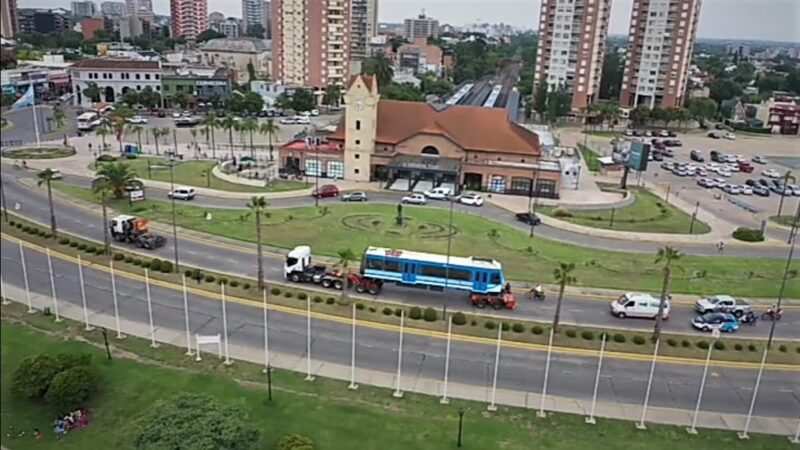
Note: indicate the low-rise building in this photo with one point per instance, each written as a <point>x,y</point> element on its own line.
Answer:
<point>196,85</point>
<point>91,25</point>
<point>236,54</point>
<point>269,91</point>
<point>114,77</point>
<point>420,57</point>
<point>784,115</point>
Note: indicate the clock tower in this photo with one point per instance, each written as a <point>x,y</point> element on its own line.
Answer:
<point>361,125</point>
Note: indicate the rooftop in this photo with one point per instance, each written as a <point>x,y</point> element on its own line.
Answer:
<point>240,45</point>
<point>117,64</point>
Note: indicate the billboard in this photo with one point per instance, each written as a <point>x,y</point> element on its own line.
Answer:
<point>637,156</point>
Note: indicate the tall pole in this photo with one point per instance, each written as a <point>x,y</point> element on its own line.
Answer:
<point>172,197</point>
<point>35,119</point>
<point>25,278</point>
<point>492,406</point>
<point>3,194</point>
<point>783,192</point>
<point>114,298</point>
<point>4,300</point>
<point>590,419</point>
<point>228,361</point>
<point>397,392</point>
<point>694,217</point>
<point>153,342</point>
<point>266,330</point>
<point>693,429</point>
<point>533,192</point>
<point>353,385</point>
<point>53,285</point>
<point>186,317</point>
<point>449,244</point>
<point>792,242</point>
<point>641,424</point>
<point>83,295</point>
<point>309,377</point>
<point>541,412</point>
<point>743,434</point>
<point>444,399</point>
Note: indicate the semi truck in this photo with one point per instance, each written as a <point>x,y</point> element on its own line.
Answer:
<point>298,268</point>
<point>134,230</point>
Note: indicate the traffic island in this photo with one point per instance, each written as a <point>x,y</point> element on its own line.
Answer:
<point>48,152</point>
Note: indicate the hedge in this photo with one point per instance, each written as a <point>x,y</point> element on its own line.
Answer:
<point>518,328</point>
<point>748,235</point>
<point>429,315</point>
<point>459,319</point>
<point>639,340</point>
<point>415,313</point>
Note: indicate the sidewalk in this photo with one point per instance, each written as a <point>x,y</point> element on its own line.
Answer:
<point>428,386</point>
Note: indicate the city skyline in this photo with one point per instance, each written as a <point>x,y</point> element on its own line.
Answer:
<point>719,19</point>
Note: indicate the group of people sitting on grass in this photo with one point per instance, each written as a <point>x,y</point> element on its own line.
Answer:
<point>75,420</point>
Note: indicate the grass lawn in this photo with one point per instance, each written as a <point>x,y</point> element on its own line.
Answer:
<point>786,220</point>
<point>193,173</point>
<point>647,214</point>
<point>356,227</point>
<point>39,153</point>
<point>325,410</point>
<point>590,157</point>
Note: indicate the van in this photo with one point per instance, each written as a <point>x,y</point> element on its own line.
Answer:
<point>638,305</point>
<point>182,193</point>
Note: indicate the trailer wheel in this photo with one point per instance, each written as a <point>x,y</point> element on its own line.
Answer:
<point>359,288</point>
<point>326,283</point>
<point>295,278</point>
<point>374,290</point>
<point>480,303</point>
<point>338,285</point>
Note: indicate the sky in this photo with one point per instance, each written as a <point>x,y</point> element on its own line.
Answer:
<point>777,20</point>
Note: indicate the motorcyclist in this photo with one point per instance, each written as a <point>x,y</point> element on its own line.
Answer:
<point>749,318</point>
<point>774,312</point>
<point>537,292</point>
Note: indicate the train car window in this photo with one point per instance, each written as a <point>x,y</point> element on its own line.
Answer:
<point>390,265</point>
<point>460,274</point>
<point>375,264</point>
<point>495,278</point>
<point>433,271</point>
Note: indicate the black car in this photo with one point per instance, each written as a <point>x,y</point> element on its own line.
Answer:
<point>751,182</point>
<point>764,183</point>
<point>528,218</point>
<point>715,156</point>
<point>760,190</point>
<point>696,156</point>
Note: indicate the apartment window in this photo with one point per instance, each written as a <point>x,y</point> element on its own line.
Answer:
<point>138,76</point>
<point>158,76</point>
<point>147,76</point>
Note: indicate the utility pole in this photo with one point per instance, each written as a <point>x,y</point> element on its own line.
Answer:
<point>172,199</point>
<point>793,235</point>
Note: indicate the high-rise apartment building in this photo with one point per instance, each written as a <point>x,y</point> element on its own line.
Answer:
<point>140,8</point>
<point>660,45</point>
<point>188,18</point>
<point>83,9</point>
<point>572,39</point>
<point>113,9</point>
<point>8,18</point>
<point>311,42</point>
<point>267,19</point>
<point>420,27</point>
<point>252,14</point>
<point>364,26</point>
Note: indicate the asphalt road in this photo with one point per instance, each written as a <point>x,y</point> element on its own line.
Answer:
<point>727,390</point>
<point>229,259</point>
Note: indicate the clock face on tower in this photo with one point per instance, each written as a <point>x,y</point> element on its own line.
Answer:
<point>360,105</point>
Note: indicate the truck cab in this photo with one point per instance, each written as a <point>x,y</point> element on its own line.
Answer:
<point>297,262</point>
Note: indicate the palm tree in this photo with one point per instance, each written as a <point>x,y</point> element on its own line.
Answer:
<point>119,123</point>
<point>193,132</point>
<point>345,256</point>
<point>250,126</point>
<point>46,177</point>
<point>229,123</point>
<point>563,275</point>
<point>101,186</point>
<point>138,130</point>
<point>269,129</point>
<point>119,176</point>
<point>258,204</point>
<point>103,131</point>
<point>59,118</point>
<point>210,122</point>
<point>381,67</point>
<point>666,255</point>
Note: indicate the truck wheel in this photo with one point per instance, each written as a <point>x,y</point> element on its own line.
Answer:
<point>359,289</point>
<point>621,315</point>
<point>326,283</point>
<point>295,278</point>
<point>480,304</point>
<point>497,304</point>
<point>338,285</point>
<point>374,290</point>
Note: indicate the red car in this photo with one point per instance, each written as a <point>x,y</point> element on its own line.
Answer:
<point>745,167</point>
<point>328,190</point>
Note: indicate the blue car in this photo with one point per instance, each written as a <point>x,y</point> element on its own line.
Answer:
<point>726,323</point>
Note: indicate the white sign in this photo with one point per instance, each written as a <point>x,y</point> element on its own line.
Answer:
<point>715,333</point>
<point>211,339</point>
<point>137,195</point>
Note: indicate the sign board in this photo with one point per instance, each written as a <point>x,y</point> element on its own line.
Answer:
<point>136,195</point>
<point>212,339</point>
<point>637,159</point>
<point>715,333</point>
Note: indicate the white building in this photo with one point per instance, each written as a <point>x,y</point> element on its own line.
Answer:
<point>236,54</point>
<point>268,91</point>
<point>113,77</point>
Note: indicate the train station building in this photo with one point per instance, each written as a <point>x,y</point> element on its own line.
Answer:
<point>414,146</point>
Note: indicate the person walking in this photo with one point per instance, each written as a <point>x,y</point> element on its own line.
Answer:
<point>721,247</point>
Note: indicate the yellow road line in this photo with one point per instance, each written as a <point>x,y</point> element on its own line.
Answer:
<point>415,331</point>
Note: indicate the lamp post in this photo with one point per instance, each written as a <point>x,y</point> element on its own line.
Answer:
<point>460,426</point>
<point>172,200</point>
<point>792,241</point>
<point>3,194</point>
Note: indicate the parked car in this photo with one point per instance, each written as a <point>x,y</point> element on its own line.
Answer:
<point>732,189</point>
<point>56,174</point>
<point>715,156</point>
<point>182,193</point>
<point>750,182</point>
<point>414,199</point>
<point>715,135</point>
<point>439,193</point>
<point>706,183</point>
<point>729,136</point>
<point>638,305</point>
<point>759,160</point>
<point>657,156</point>
<point>357,196</point>
<point>529,218</point>
<point>746,167</point>
<point>771,173</point>
<point>722,303</point>
<point>287,121</point>
<point>746,190</point>
<point>695,155</point>
<point>471,199</point>
<point>723,322</point>
<point>795,189</point>
<point>764,183</point>
<point>328,190</point>
<point>760,190</point>
<point>137,120</point>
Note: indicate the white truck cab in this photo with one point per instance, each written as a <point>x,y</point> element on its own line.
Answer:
<point>297,260</point>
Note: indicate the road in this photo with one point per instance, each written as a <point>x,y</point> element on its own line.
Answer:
<point>228,258</point>
<point>728,389</point>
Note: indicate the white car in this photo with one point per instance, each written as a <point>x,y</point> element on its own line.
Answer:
<point>638,305</point>
<point>414,199</point>
<point>314,112</point>
<point>771,173</point>
<point>302,120</point>
<point>724,173</point>
<point>732,189</point>
<point>182,193</point>
<point>729,136</point>
<point>176,115</point>
<point>287,121</point>
<point>746,190</point>
<point>759,159</point>
<point>137,120</point>
<point>471,199</point>
<point>440,193</point>
<point>733,167</point>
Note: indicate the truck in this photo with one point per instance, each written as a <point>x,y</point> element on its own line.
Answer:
<point>298,268</point>
<point>723,303</point>
<point>134,230</point>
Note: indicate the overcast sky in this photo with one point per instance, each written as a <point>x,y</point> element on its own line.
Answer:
<point>741,19</point>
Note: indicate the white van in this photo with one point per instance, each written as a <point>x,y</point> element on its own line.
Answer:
<point>638,305</point>
<point>440,193</point>
<point>182,193</point>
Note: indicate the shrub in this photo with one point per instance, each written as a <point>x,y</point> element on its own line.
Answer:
<point>275,291</point>
<point>738,347</point>
<point>619,338</point>
<point>505,326</point>
<point>82,247</point>
<point>63,241</point>
<point>518,328</point>
<point>146,264</point>
<point>137,262</point>
<point>490,325</point>
<point>536,329</point>
<point>118,256</point>
<point>571,333</point>
<point>685,343</point>
<point>295,442</point>
<point>387,311</point>
<point>223,280</point>
<point>234,283</point>
<point>782,348</point>
<point>166,267</point>
<point>106,158</point>
<point>702,344</point>
<point>639,340</point>
<point>748,234</point>
<point>19,226</point>
<point>672,342</point>
<point>473,323</point>
<point>360,306</point>
<point>430,315</point>
<point>155,264</point>
<point>73,244</point>
<point>719,345</point>
<point>330,301</point>
<point>71,388</point>
<point>588,335</point>
<point>459,319</point>
<point>188,273</point>
<point>288,294</point>
<point>415,313</point>
<point>128,259</point>
<point>33,376</point>
<point>398,312</point>
<point>246,286</point>
<point>752,347</point>
<point>561,212</point>
<point>797,349</point>
<point>318,301</point>
<point>373,309</point>
<point>26,229</point>
<point>304,296</point>
<point>90,250</point>
<point>209,278</point>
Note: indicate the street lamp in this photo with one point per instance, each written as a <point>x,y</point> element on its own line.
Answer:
<point>3,193</point>
<point>793,235</point>
<point>172,200</point>
<point>461,412</point>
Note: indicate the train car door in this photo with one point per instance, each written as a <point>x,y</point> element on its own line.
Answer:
<point>409,272</point>
<point>479,283</point>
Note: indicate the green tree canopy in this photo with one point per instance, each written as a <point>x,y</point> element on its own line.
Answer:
<point>381,67</point>
<point>208,35</point>
<point>303,100</point>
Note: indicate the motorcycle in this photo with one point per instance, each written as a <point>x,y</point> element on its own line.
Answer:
<point>750,318</point>
<point>772,314</point>
<point>537,293</point>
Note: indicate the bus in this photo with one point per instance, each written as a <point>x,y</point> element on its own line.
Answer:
<point>88,121</point>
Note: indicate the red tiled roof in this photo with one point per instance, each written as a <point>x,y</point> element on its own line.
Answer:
<point>368,80</point>
<point>299,145</point>
<point>116,64</point>
<point>471,127</point>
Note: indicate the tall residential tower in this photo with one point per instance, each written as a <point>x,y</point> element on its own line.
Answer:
<point>572,42</point>
<point>660,45</point>
<point>8,18</point>
<point>253,14</point>
<point>189,18</point>
<point>364,20</point>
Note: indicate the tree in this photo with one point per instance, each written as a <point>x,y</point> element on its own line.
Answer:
<point>540,99</point>
<point>251,72</point>
<point>250,126</point>
<point>102,188</point>
<point>701,109</point>
<point>611,81</point>
<point>269,129</point>
<point>333,95</point>
<point>640,116</point>
<point>345,256</point>
<point>208,35</point>
<point>284,101</point>
<point>403,92</point>
<point>665,255</point>
<point>33,376</point>
<point>255,30</point>
<point>149,98</point>
<point>103,130</point>
<point>71,388</point>
<point>119,122</point>
<point>46,176</point>
<point>196,422</point>
<point>157,134</point>
<point>724,89</point>
<point>229,123</point>
<point>58,116</point>
<point>381,67</point>
<point>303,100</point>
<point>257,205</point>
<point>92,91</point>
<point>118,176</point>
<point>210,123</point>
<point>137,129</point>
<point>131,98</point>
<point>563,275</point>
<point>253,103</point>
<point>558,104</point>
<point>432,85</point>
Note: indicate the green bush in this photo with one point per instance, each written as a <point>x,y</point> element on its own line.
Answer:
<point>288,294</point>
<point>118,256</point>
<point>318,301</point>
<point>748,234</point>
<point>782,348</point>
<point>536,329</point>
<point>26,228</point>
<point>672,342</point>
<point>719,345</point>
<point>304,296</point>
<point>295,442</point>
<point>275,291</point>
<point>209,278</point>
<point>146,264</point>
<point>90,250</point>
<point>234,283</point>
<point>105,157</point>
<point>330,301</point>
<point>155,264</point>
<point>223,280</point>
<point>63,241</point>
<point>738,347</point>
<point>473,323</point>
<point>33,376</point>
<point>137,262</point>
<point>619,338</point>
<point>429,315</point>
<point>571,333</point>
<point>587,335</point>
<point>702,345</point>
<point>415,313</point>
<point>246,286</point>
<point>387,311</point>
<point>752,347</point>
<point>505,326</point>
<point>188,273</point>
<point>639,340</point>
<point>82,247</point>
<point>459,319</point>
<point>73,244</point>
<point>518,328</point>
<point>561,212</point>
<point>685,343</point>
<point>360,306</point>
<point>166,266</point>
<point>490,325</point>
<point>398,312</point>
<point>71,388</point>
<point>129,259</point>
